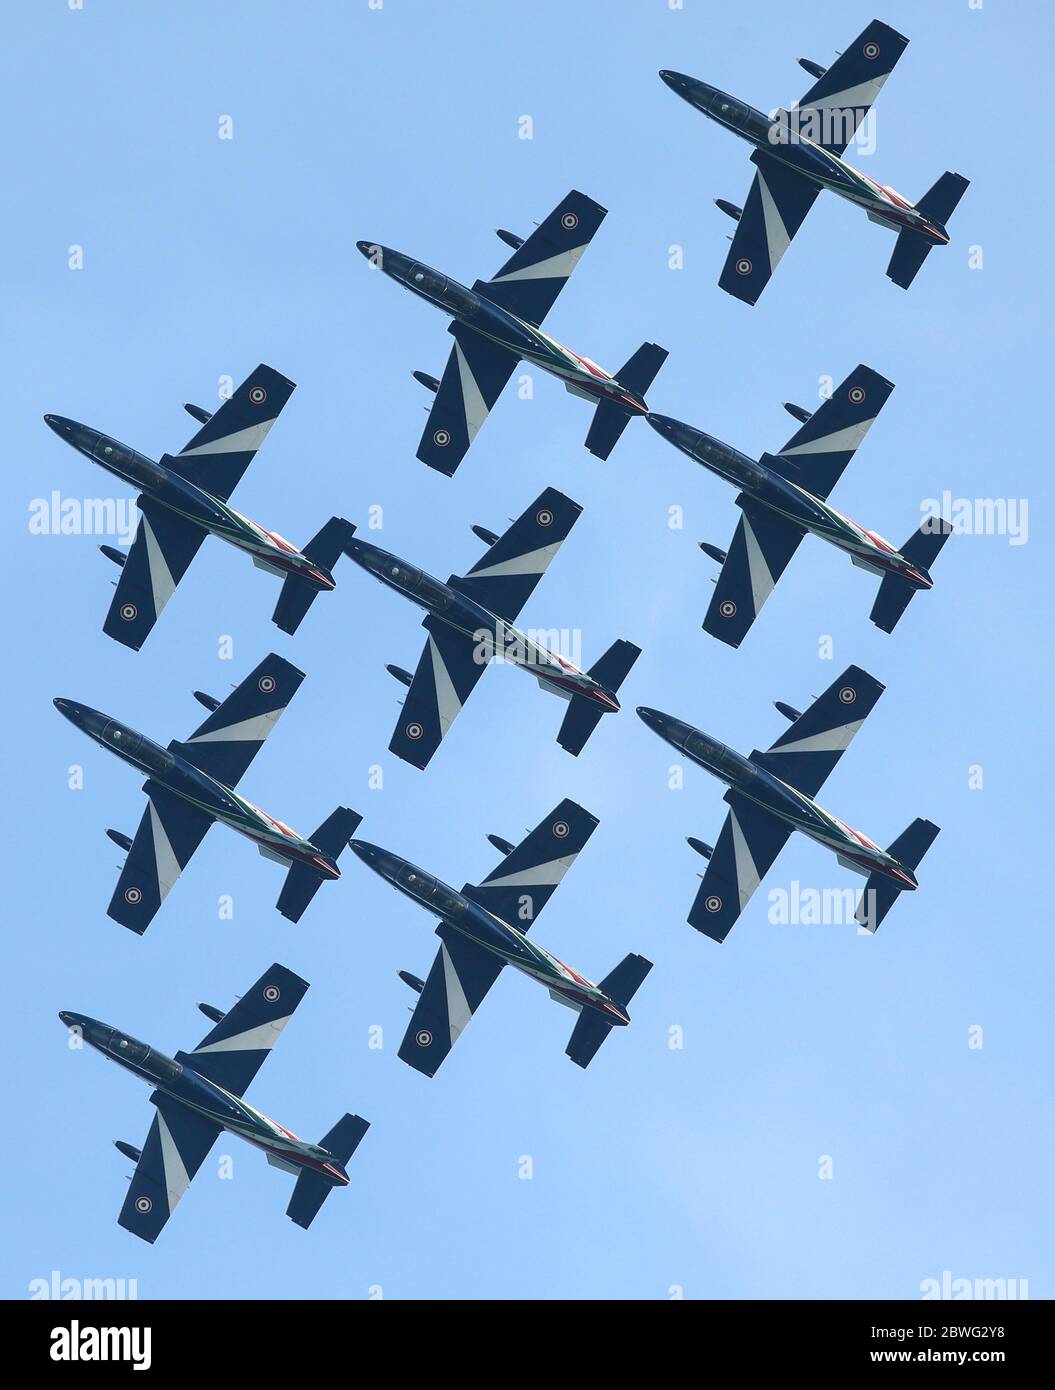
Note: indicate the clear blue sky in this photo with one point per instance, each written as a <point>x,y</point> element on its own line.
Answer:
<point>656,1168</point>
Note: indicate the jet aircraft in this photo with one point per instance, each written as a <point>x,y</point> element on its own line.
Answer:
<point>199,1094</point>
<point>184,497</point>
<point>784,496</point>
<point>469,619</point>
<point>485,926</point>
<point>771,794</point>
<point>191,784</point>
<point>798,152</point>
<point>497,323</point>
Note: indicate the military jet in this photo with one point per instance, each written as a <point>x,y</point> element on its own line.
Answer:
<point>798,152</point>
<point>784,496</point>
<point>184,498</point>
<point>496,324</point>
<point>485,927</point>
<point>191,784</point>
<point>198,1095</point>
<point>771,794</point>
<point>469,620</point>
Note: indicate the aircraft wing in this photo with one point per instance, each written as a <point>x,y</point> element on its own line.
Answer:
<point>843,97</point>
<point>761,549</point>
<point>473,379</point>
<point>775,209</point>
<point>460,977</point>
<point>807,751</point>
<point>530,281</point>
<point>750,841</point>
<point>821,449</point>
<point>229,740</point>
<point>504,578</point>
<point>522,884</point>
<point>175,1149</point>
<point>158,559</point>
<point>217,456</point>
<point>233,1052</point>
<point>170,831</point>
<point>446,676</point>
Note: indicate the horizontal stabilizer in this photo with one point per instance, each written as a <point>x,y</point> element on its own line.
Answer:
<point>583,715</point>
<point>610,420</point>
<point>592,1028</point>
<point>921,548</point>
<point>302,882</point>
<point>298,593</point>
<point>911,249</point>
<point>310,1191</point>
<point>880,892</point>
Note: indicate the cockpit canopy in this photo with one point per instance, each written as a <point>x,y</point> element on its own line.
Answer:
<point>429,890</point>
<point>138,1054</point>
<point>738,115</point>
<point>437,287</point>
<point>136,746</point>
<point>126,461</point>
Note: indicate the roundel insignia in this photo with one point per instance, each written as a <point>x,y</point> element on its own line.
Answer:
<point>257,395</point>
<point>272,993</point>
<point>743,267</point>
<point>561,829</point>
<point>424,1038</point>
<point>143,1205</point>
<point>544,517</point>
<point>414,731</point>
<point>847,695</point>
<point>133,896</point>
<point>871,50</point>
<point>442,438</point>
<point>129,612</point>
<point>569,221</point>
<point>267,684</point>
<point>857,394</point>
<point>713,903</point>
<point>727,608</point>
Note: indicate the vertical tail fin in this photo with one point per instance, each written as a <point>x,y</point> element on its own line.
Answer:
<point>881,893</point>
<point>298,594</point>
<point>584,715</point>
<point>609,419</point>
<point>922,548</point>
<point>310,1190</point>
<point>592,1028</point>
<point>911,249</point>
<point>302,882</point>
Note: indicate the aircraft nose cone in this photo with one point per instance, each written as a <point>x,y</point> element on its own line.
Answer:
<point>65,707</point>
<point>651,717</point>
<point>675,80</point>
<point>66,1017</point>
<point>365,851</point>
<point>58,423</point>
<point>662,424</point>
<point>367,248</point>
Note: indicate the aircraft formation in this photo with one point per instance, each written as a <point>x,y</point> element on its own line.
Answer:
<point>470,621</point>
